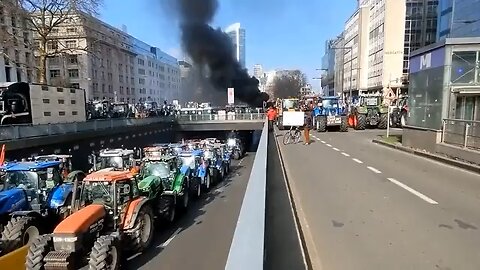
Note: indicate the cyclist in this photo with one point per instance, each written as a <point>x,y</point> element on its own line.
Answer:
<point>271,115</point>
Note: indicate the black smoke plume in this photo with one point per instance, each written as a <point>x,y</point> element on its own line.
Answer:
<point>213,48</point>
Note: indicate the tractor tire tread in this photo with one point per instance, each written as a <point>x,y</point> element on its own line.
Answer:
<point>37,251</point>
<point>99,254</point>
<point>137,230</point>
<point>361,122</point>
<point>382,124</point>
<point>322,124</point>
<point>13,232</point>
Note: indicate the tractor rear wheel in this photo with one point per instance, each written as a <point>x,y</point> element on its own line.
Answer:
<point>382,124</point>
<point>361,122</point>
<point>344,124</point>
<point>167,207</point>
<point>142,232</point>
<point>186,195</point>
<point>19,231</point>
<point>105,254</point>
<point>322,124</point>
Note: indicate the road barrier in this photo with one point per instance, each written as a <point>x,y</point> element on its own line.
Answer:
<point>14,260</point>
<point>220,117</point>
<point>247,248</point>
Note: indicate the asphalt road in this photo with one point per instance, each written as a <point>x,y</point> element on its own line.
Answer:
<point>201,238</point>
<point>365,206</point>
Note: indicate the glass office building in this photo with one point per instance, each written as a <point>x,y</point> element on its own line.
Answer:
<point>237,35</point>
<point>458,18</point>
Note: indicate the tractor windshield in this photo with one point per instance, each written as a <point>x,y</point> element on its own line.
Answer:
<point>97,193</point>
<point>188,161</point>
<point>330,103</point>
<point>290,104</point>
<point>160,169</point>
<point>113,162</point>
<point>21,179</point>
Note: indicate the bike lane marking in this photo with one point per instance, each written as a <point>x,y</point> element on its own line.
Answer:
<point>413,191</point>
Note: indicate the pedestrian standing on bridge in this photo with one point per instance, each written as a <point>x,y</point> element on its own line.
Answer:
<point>271,115</point>
<point>308,124</point>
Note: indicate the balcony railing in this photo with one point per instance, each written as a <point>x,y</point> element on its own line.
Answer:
<point>216,117</point>
<point>463,133</point>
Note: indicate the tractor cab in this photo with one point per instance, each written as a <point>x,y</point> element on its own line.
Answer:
<point>177,148</point>
<point>120,110</point>
<point>114,159</point>
<point>164,168</point>
<point>370,112</point>
<point>66,162</point>
<point>156,152</point>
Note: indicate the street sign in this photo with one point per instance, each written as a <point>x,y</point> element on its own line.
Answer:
<point>391,94</point>
<point>231,95</point>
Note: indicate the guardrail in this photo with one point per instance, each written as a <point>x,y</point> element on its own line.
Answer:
<point>23,131</point>
<point>247,248</point>
<point>14,260</point>
<point>226,117</point>
<point>464,133</point>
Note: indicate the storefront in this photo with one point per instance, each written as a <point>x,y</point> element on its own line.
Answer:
<point>444,84</point>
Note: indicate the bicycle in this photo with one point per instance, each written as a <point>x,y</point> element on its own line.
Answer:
<point>293,135</point>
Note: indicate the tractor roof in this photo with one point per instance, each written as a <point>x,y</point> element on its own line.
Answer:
<point>52,157</point>
<point>115,152</point>
<point>165,158</point>
<point>331,97</point>
<point>29,165</point>
<point>197,152</point>
<point>155,148</point>
<point>108,176</point>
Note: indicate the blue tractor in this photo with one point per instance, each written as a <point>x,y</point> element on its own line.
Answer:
<point>193,162</point>
<point>217,162</point>
<point>34,198</point>
<point>331,113</point>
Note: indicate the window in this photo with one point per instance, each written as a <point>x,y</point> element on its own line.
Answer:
<point>46,101</point>
<point>74,85</point>
<point>71,30</point>
<point>59,89</point>
<point>52,45</point>
<point>141,71</point>
<point>73,59</point>
<point>73,73</point>
<point>47,114</point>
<point>54,73</point>
<point>120,78</point>
<point>141,81</point>
<point>61,113</point>
<point>74,113</point>
<point>141,62</point>
<point>73,102</point>
<point>71,44</point>
<point>61,101</point>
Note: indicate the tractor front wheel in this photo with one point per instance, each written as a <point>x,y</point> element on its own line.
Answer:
<point>361,122</point>
<point>105,254</point>
<point>19,231</point>
<point>344,124</point>
<point>382,124</point>
<point>322,124</point>
<point>38,249</point>
<point>142,232</point>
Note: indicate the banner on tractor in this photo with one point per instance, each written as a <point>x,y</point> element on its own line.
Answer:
<point>295,119</point>
<point>231,95</point>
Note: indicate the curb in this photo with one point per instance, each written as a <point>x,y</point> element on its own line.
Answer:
<point>311,263</point>
<point>448,161</point>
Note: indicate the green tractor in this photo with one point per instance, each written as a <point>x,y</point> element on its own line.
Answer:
<point>371,112</point>
<point>166,184</point>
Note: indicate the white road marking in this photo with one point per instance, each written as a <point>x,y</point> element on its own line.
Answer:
<point>357,160</point>
<point>336,149</point>
<point>345,154</point>
<point>373,169</point>
<point>413,191</point>
<point>329,145</point>
<point>323,141</point>
<point>164,244</point>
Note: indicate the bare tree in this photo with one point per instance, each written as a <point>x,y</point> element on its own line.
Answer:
<point>288,83</point>
<point>44,17</point>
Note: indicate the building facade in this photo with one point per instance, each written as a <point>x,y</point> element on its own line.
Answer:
<point>109,63</point>
<point>420,28</point>
<point>257,71</point>
<point>17,63</point>
<point>332,65</point>
<point>458,18</point>
<point>237,35</point>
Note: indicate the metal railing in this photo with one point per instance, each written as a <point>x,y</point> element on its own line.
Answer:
<point>15,132</point>
<point>248,243</point>
<point>464,133</point>
<point>216,117</point>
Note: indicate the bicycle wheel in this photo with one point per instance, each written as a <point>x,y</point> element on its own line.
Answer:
<point>297,135</point>
<point>287,138</point>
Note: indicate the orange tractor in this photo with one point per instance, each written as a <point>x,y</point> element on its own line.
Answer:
<point>113,218</point>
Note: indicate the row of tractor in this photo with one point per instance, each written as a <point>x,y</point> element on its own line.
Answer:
<point>71,219</point>
<point>330,112</point>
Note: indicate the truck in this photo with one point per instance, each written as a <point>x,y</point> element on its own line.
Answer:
<point>284,106</point>
<point>24,103</point>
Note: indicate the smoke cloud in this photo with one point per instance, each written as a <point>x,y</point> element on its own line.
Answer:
<point>213,48</point>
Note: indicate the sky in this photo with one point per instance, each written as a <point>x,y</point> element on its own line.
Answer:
<point>280,34</point>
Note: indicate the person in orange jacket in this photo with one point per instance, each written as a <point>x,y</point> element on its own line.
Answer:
<point>271,115</point>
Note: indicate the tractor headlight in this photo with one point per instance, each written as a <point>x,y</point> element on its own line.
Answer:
<point>65,243</point>
<point>231,142</point>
